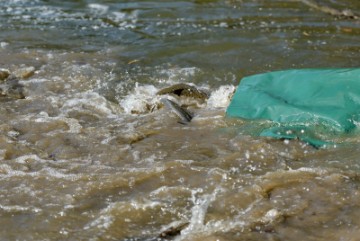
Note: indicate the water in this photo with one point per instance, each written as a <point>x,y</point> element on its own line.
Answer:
<point>89,154</point>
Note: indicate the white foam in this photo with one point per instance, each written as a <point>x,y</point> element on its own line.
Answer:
<point>102,222</point>
<point>106,217</point>
<point>125,20</point>
<point>36,80</point>
<point>3,45</point>
<point>17,208</point>
<point>22,159</point>
<point>119,16</point>
<point>198,212</point>
<point>98,8</point>
<point>141,100</point>
<point>7,171</point>
<point>89,101</point>
<point>167,189</point>
<point>51,172</point>
<point>175,75</point>
<point>310,170</point>
<point>271,215</point>
<point>73,124</point>
<point>221,97</point>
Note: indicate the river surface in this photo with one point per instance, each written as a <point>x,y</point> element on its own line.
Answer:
<point>90,154</point>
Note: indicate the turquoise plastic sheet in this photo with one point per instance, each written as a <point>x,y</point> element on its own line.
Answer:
<point>313,105</point>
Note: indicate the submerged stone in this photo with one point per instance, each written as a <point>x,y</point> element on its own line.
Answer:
<point>185,90</point>
<point>12,88</point>
<point>24,73</point>
<point>4,73</point>
<point>173,231</point>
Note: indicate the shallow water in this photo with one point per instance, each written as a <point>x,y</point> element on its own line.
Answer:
<point>89,154</point>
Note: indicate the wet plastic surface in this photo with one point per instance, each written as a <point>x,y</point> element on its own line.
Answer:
<point>309,104</point>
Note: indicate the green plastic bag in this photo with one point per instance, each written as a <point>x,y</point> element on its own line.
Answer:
<point>313,105</point>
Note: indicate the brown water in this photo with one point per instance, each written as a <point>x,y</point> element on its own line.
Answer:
<point>90,155</point>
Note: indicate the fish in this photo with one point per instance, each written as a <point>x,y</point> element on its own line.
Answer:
<point>182,113</point>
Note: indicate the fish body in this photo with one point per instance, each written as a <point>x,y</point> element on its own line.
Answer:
<point>184,115</point>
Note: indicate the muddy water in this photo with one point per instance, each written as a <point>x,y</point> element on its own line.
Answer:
<point>89,154</point>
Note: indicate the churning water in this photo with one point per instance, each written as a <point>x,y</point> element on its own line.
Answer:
<point>90,154</point>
